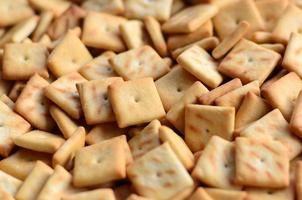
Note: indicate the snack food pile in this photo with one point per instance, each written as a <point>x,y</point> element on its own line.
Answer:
<point>150,100</point>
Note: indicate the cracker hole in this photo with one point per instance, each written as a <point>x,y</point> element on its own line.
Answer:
<point>207,130</point>
<point>109,69</point>
<point>136,99</point>
<point>74,61</point>
<point>300,30</point>
<point>270,192</point>
<point>99,160</point>
<point>262,160</point>
<point>26,58</point>
<point>250,60</point>
<point>105,97</point>
<point>237,21</point>
<point>226,165</point>
<point>158,174</point>
<point>179,89</point>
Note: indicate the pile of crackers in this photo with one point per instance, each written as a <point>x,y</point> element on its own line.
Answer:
<point>150,100</point>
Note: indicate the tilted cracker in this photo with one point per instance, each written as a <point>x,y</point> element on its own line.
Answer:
<point>274,78</point>
<point>139,9</point>
<point>100,163</point>
<point>39,141</point>
<point>277,47</point>
<point>172,86</point>
<point>200,193</point>
<point>139,63</point>
<point>16,90</point>
<point>282,93</point>
<point>249,61</point>
<point>200,64</point>
<point>98,194</point>
<point>210,97</point>
<point>135,102</point>
<point>176,114</point>
<point>184,194</point>
<point>34,182</point>
<point>57,7</point>
<point>178,145</point>
<point>234,97</point>
<point>46,18</point>
<point>113,7</point>
<point>63,92</point>
<point>9,183</point>
<point>230,16</point>
<point>287,193</point>
<point>101,30</point>
<point>261,162</point>
<point>202,122</point>
<point>5,99</point>
<point>190,19</point>
<point>261,37</point>
<point>62,61</point>
<point>159,174</point>
<point>95,102</point>
<point>221,194</point>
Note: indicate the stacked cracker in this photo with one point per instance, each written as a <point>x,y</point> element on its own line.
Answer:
<point>150,100</point>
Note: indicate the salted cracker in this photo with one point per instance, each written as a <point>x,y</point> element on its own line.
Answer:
<point>9,184</point>
<point>97,194</point>
<point>113,7</point>
<point>221,194</point>
<point>255,193</point>
<point>295,124</point>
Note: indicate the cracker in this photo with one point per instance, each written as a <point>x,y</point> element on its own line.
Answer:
<point>13,12</point>
<point>62,61</point>
<point>249,62</point>
<point>99,67</point>
<point>66,125</point>
<point>193,58</point>
<point>177,144</point>
<point>101,30</point>
<point>45,20</point>
<point>176,115</point>
<point>5,99</point>
<point>261,37</point>
<point>159,174</point>
<point>135,102</point>
<point>34,182</point>
<point>16,90</point>
<point>113,7</point>
<point>261,163</point>
<point>282,93</point>
<point>234,97</point>
<point>210,97</point>
<point>63,92</point>
<point>9,184</point>
<point>139,9</point>
<point>12,126</point>
<point>295,124</point>
<point>39,141</point>
<point>136,197</point>
<point>190,19</point>
<point>221,194</point>
<point>270,194</point>
<point>274,78</point>
<point>139,63</point>
<point>154,30</point>
<point>298,174</point>
<point>6,196</point>
<point>172,86</point>
<point>94,100</point>
<point>230,40</point>
<point>100,163</point>
<point>177,5</point>
<point>5,86</point>
<point>200,194</point>
<point>251,109</point>
<point>202,122</point>
<point>57,7</point>
<point>98,194</point>
<point>277,47</point>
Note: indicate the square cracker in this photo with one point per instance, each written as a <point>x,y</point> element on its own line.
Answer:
<point>221,194</point>
<point>216,165</point>
<point>230,16</point>
<point>283,93</point>
<point>261,163</point>
<point>62,61</point>
<point>190,19</point>
<point>159,174</point>
<point>94,100</point>
<point>101,30</point>
<point>140,8</point>
<point>172,86</point>
<point>12,126</point>
<point>202,122</point>
<point>21,61</point>
<point>287,193</point>
<point>200,64</point>
<point>97,194</point>
<point>34,182</point>
<point>63,92</point>
<point>295,121</point>
<point>100,163</point>
<point>135,102</point>
<point>99,67</point>
<point>114,7</point>
<point>9,184</point>
<point>249,61</point>
<point>57,7</point>
<point>139,63</point>
<point>33,105</point>
<point>274,126</point>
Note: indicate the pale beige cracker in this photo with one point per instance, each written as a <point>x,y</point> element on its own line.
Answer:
<point>274,78</point>
<point>261,163</point>
<point>277,47</point>
<point>39,141</point>
<point>9,184</point>
<point>135,102</point>
<point>33,105</point>
<point>154,30</point>
<point>139,9</point>
<point>97,194</point>
<point>63,92</point>
<point>140,63</point>
<point>210,97</point>
<point>176,114</point>
<point>159,174</point>
<point>261,37</point>
<point>200,194</point>
<point>203,121</point>
<point>127,151</point>
<point>100,163</point>
<point>62,60</point>
<point>115,7</point>
<point>287,193</point>
<point>101,30</point>
<point>34,182</point>
<point>5,99</point>
<point>193,58</point>
<point>190,19</point>
<point>230,40</point>
<point>295,121</point>
<point>46,41</point>
<point>172,86</point>
<point>57,7</point>
<point>282,93</point>
<point>5,195</point>
<point>221,194</point>
<point>46,18</point>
